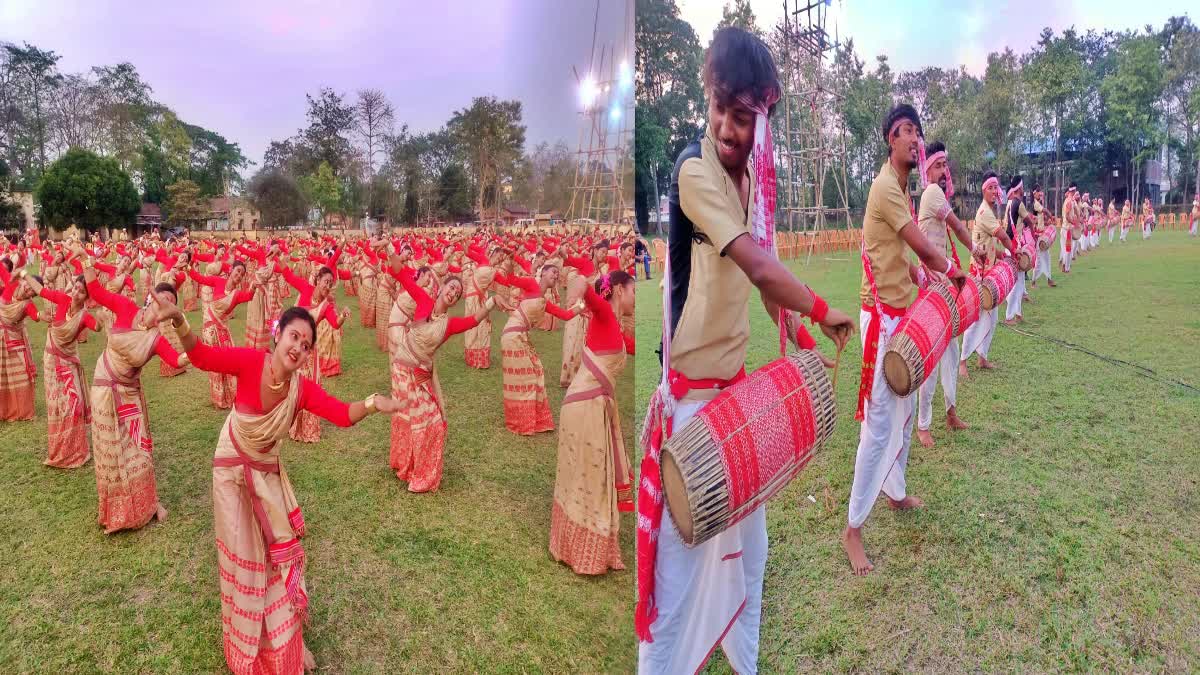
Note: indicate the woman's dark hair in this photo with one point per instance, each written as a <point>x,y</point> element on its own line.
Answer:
<point>237,263</point>
<point>900,111</point>
<point>603,243</point>
<point>166,287</point>
<point>297,314</point>
<point>626,245</point>
<point>423,269</point>
<point>38,278</point>
<point>323,271</point>
<point>739,63</point>
<point>80,279</point>
<point>614,279</point>
<point>7,264</point>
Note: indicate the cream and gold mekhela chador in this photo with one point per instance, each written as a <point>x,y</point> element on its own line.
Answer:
<point>477,342</point>
<point>366,295</point>
<point>419,426</point>
<point>385,294</point>
<point>574,333</point>
<point>258,526</point>
<point>593,483</point>
<point>68,410</point>
<point>263,309</point>
<point>121,442</point>
<point>165,369</point>
<point>526,405</point>
<point>307,427</point>
<point>215,333</point>
<point>17,370</point>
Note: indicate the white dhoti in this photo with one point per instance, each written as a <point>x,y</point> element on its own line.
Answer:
<point>978,338</point>
<point>948,368</point>
<point>1124,233</point>
<point>1064,256</point>
<point>1145,230</point>
<point>1192,229</point>
<point>1015,298</point>
<point>1096,239</point>
<point>707,595</point>
<point>1111,230</point>
<point>1041,265</point>
<point>884,436</point>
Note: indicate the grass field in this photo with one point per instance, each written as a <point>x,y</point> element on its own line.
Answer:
<point>455,581</point>
<point>1061,532</point>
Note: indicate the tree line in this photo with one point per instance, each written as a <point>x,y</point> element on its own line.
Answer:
<point>1077,107</point>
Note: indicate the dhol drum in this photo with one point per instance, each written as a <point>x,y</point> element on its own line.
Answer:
<point>1046,238</point>
<point>996,283</point>
<point>967,301</point>
<point>921,337</point>
<point>1025,257</point>
<point>746,445</point>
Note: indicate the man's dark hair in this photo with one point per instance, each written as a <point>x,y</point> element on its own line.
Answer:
<point>1072,186</point>
<point>1037,187</point>
<point>989,174</point>
<point>739,63</point>
<point>1016,180</point>
<point>934,148</point>
<point>900,111</point>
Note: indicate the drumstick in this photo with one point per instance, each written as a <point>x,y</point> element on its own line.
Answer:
<point>837,362</point>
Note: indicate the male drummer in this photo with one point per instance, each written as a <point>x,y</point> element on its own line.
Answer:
<point>991,241</point>
<point>1041,268</point>
<point>691,600</point>
<point>936,219</point>
<point>889,233</point>
<point>1070,216</point>
<point>1016,218</point>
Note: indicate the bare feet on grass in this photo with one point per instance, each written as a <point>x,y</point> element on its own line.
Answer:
<point>962,370</point>
<point>309,662</point>
<point>909,502</point>
<point>953,422</point>
<point>985,364</point>
<point>925,438</point>
<point>853,544</point>
<point>161,513</point>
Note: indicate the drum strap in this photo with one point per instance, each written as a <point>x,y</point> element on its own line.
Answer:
<point>871,347</point>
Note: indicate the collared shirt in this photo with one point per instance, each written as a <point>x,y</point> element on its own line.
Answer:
<point>1040,212</point>
<point>710,293</point>
<point>888,211</point>
<point>931,217</point>
<point>984,231</point>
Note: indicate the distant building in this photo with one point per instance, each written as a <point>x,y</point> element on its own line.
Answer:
<point>231,213</point>
<point>149,217</point>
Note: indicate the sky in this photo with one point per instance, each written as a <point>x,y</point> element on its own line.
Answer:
<point>242,67</point>
<point>948,34</point>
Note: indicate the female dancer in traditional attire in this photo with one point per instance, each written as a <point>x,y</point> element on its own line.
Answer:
<point>256,517</point>
<point>594,479</point>
<point>218,308</point>
<point>385,294</point>
<point>318,302</point>
<point>574,332</point>
<point>17,370</point>
<point>477,343</point>
<point>367,274</point>
<point>67,410</point>
<point>128,495</point>
<point>526,406</point>
<point>175,275</point>
<point>419,438</point>
<point>265,304</point>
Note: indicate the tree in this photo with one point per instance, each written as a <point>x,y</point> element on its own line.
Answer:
<point>454,192</point>
<point>33,74</point>
<point>330,120</point>
<point>1130,93</point>
<point>373,120</point>
<point>322,190</point>
<point>1054,77</point>
<point>125,108</point>
<point>184,205</point>
<point>740,15</point>
<point>87,190</point>
<point>493,138</point>
<point>668,94</point>
<point>277,198</point>
<point>75,115</point>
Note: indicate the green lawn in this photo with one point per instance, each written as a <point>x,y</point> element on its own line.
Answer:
<point>456,581</point>
<point>1062,531</point>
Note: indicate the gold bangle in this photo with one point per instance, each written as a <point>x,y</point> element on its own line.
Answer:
<point>370,404</point>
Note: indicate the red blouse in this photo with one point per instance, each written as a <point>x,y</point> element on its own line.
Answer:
<point>248,365</point>
<point>456,324</point>
<point>62,303</point>
<point>218,286</point>
<point>125,310</point>
<point>604,331</point>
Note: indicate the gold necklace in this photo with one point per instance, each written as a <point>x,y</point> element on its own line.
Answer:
<point>271,385</point>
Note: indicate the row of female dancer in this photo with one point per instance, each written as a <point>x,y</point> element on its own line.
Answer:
<point>407,286</point>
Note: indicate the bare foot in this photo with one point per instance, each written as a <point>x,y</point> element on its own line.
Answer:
<point>925,438</point>
<point>985,364</point>
<point>1026,298</point>
<point>952,421</point>
<point>1050,283</point>
<point>852,543</point>
<point>161,513</point>
<point>962,371</point>
<point>909,502</point>
<point>309,662</point>
<point>1007,322</point>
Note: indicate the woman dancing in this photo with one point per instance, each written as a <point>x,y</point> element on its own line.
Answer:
<point>17,370</point>
<point>256,517</point>
<point>218,308</point>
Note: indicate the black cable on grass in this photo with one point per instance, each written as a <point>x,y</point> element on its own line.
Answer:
<point>1140,370</point>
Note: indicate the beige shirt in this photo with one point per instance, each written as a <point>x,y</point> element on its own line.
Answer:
<point>714,327</point>
<point>886,214</point>
<point>1039,213</point>
<point>984,230</point>
<point>931,217</point>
